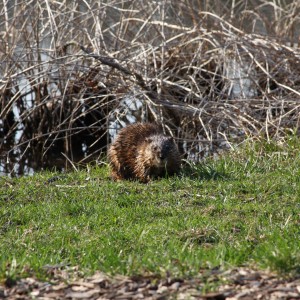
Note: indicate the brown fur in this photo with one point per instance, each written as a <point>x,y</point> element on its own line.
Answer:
<point>142,151</point>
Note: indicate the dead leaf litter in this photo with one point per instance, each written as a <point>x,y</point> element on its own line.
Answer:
<point>235,284</point>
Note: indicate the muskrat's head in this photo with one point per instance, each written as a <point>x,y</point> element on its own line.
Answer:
<point>158,149</point>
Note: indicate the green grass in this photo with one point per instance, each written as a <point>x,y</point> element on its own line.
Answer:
<point>240,209</point>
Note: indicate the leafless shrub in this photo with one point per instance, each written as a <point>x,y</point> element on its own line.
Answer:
<point>213,73</point>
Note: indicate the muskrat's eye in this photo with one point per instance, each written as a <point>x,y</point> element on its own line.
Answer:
<point>155,148</point>
<point>166,147</point>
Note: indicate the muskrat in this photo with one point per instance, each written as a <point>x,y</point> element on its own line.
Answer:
<point>142,151</point>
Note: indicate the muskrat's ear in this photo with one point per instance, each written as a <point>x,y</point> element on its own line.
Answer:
<point>170,139</point>
<point>148,140</point>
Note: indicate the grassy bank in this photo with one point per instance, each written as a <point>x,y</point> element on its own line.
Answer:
<point>240,209</point>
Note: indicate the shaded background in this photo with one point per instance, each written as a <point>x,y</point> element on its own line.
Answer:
<point>214,73</point>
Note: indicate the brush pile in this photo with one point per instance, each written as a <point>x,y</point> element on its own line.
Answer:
<point>72,73</point>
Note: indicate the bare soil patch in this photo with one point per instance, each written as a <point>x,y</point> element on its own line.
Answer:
<point>239,283</point>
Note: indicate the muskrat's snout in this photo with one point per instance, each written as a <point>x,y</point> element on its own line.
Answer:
<point>162,156</point>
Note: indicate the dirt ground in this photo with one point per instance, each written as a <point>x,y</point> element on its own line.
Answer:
<point>239,283</point>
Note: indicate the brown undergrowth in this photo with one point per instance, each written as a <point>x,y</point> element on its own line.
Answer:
<point>212,74</point>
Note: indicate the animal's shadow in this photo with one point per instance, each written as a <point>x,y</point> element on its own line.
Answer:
<point>202,172</point>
